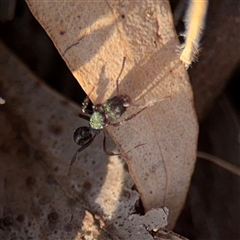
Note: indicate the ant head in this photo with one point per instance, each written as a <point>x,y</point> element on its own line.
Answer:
<point>81,135</point>
<point>98,108</point>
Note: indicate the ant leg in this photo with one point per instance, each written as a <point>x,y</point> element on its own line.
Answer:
<point>117,154</point>
<point>84,116</point>
<point>135,114</point>
<point>105,148</point>
<point>87,112</point>
<point>88,143</point>
<point>130,117</point>
<point>152,102</point>
<point>119,75</point>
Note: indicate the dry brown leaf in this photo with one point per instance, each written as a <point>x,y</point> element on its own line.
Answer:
<point>93,39</point>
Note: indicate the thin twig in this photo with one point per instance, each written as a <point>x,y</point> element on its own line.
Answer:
<point>220,162</point>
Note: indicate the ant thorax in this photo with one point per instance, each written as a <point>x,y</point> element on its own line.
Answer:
<point>109,111</point>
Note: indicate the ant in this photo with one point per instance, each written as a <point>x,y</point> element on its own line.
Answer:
<point>101,116</point>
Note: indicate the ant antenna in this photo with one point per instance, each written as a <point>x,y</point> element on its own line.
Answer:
<point>123,64</point>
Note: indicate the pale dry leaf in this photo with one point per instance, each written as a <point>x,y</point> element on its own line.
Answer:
<point>93,39</point>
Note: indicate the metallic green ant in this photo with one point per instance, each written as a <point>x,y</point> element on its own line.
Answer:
<point>101,116</point>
